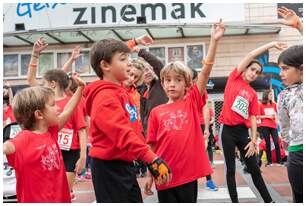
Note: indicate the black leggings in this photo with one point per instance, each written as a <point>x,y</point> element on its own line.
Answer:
<point>232,136</point>
<point>266,131</point>
<point>295,175</point>
<point>187,193</point>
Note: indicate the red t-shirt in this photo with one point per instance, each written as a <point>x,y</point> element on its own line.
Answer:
<point>8,116</point>
<point>240,101</point>
<point>39,167</point>
<point>268,109</point>
<point>174,130</point>
<point>75,122</point>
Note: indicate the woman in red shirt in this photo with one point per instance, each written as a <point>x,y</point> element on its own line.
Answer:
<point>238,114</point>
<point>268,125</point>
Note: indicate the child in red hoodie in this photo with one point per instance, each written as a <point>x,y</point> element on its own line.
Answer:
<point>113,118</point>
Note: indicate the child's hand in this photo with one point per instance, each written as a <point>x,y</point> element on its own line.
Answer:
<point>39,46</point>
<point>280,45</point>
<point>289,17</point>
<point>144,40</point>
<point>206,133</point>
<point>160,171</point>
<point>217,30</point>
<point>80,165</point>
<point>136,49</point>
<point>76,53</point>
<point>251,149</point>
<point>148,186</point>
<point>80,82</point>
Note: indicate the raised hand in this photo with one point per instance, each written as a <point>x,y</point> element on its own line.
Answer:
<point>217,30</point>
<point>39,46</point>
<point>144,40</point>
<point>80,82</point>
<point>289,17</point>
<point>280,45</point>
<point>76,53</point>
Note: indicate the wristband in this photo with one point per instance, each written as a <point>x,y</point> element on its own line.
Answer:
<point>204,61</point>
<point>32,66</point>
<point>131,43</point>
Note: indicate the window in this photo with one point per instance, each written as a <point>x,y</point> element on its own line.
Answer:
<point>62,58</point>
<point>25,61</point>
<point>159,52</point>
<point>194,56</point>
<point>46,62</point>
<point>10,63</point>
<point>82,65</point>
<point>175,54</point>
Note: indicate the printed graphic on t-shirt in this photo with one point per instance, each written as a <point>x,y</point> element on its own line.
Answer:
<point>241,106</point>
<point>65,138</point>
<point>174,120</point>
<point>132,110</point>
<point>269,111</point>
<point>50,160</point>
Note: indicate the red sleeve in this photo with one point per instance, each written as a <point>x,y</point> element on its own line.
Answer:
<point>15,159</point>
<point>275,107</point>
<point>254,106</point>
<point>152,128</point>
<point>196,98</point>
<point>234,74</point>
<point>113,122</point>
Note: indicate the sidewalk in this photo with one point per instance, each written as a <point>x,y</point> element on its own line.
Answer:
<point>275,178</point>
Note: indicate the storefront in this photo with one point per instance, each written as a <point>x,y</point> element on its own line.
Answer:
<point>180,32</point>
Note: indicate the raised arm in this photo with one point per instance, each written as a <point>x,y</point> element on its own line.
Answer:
<point>253,54</point>
<point>76,53</point>
<point>39,46</point>
<point>73,102</point>
<point>217,32</point>
<point>146,40</point>
<point>290,18</point>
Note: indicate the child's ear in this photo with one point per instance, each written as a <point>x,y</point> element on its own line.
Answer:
<point>105,66</point>
<point>38,114</point>
<point>53,84</point>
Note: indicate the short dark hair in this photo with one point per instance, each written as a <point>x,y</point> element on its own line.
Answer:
<point>105,50</point>
<point>255,61</point>
<point>293,56</point>
<point>58,76</point>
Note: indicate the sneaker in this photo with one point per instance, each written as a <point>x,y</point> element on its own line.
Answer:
<point>72,196</point>
<point>213,165</point>
<point>280,164</point>
<point>269,164</point>
<point>211,185</point>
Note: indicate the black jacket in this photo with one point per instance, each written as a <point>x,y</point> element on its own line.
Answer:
<point>156,94</point>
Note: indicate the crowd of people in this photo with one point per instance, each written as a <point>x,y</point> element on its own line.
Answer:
<point>142,115</point>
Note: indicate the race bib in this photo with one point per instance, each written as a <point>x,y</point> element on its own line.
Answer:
<point>65,138</point>
<point>269,111</point>
<point>15,129</point>
<point>241,106</point>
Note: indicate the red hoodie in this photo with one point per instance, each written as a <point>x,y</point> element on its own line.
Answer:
<point>113,120</point>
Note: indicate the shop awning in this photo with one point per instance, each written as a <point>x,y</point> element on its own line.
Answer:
<point>125,32</point>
